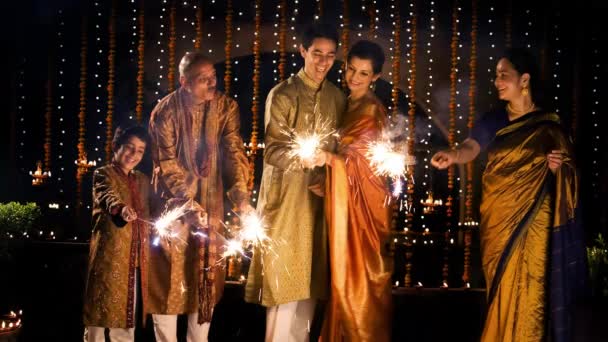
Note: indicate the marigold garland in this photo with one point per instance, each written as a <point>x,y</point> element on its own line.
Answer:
<point>172,39</point>
<point>48,120</point>
<point>282,39</point>
<point>228,47</point>
<point>344,39</point>
<point>396,62</point>
<point>83,88</point>
<point>199,27</point>
<point>452,104</point>
<point>472,93</point>
<point>320,8</point>
<point>412,108</point>
<point>575,101</point>
<point>139,103</point>
<point>466,274</point>
<point>111,64</point>
<point>82,154</point>
<point>256,92</point>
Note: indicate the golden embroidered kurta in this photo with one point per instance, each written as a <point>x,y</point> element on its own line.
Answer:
<point>293,213</point>
<point>360,302</point>
<point>521,203</point>
<point>116,248</point>
<point>197,152</point>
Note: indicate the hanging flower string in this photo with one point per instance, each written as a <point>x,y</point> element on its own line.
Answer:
<point>83,98</point>
<point>199,27</point>
<point>412,109</point>
<point>282,39</point>
<point>452,104</point>
<point>82,154</point>
<point>319,8</point>
<point>139,103</point>
<point>466,274</point>
<point>228,47</point>
<point>172,39</point>
<point>48,120</point>
<point>471,118</point>
<point>253,143</point>
<point>111,64</point>
<point>396,63</point>
<point>371,12</point>
<point>344,41</point>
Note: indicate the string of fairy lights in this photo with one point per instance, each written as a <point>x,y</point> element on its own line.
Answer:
<point>275,49</point>
<point>189,19</point>
<point>528,29</point>
<point>162,52</point>
<point>344,40</point>
<point>491,26</point>
<point>428,52</point>
<point>97,79</point>
<point>293,41</point>
<point>596,141</point>
<point>460,117</point>
<point>133,29</point>
<point>211,23</point>
<point>429,91</point>
<point>133,41</point>
<point>20,104</point>
<point>556,61</point>
<point>360,26</point>
<point>237,45</point>
<point>60,97</point>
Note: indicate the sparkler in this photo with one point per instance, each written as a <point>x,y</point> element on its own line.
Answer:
<point>389,159</point>
<point>305,145</point>
<point>164,223</point>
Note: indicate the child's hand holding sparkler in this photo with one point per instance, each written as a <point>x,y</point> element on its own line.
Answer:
<point>128,214</point>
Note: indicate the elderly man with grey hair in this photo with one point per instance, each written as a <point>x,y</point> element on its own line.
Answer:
<point>198,155</point>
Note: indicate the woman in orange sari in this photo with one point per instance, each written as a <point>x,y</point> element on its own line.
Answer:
<point>531,247</point>
<point>360,302</point>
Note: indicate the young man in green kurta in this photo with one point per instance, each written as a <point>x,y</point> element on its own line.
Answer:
<point>291,279</point>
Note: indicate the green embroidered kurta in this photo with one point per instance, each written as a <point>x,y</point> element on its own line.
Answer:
<point>297,269</point>
<point>116,248</point>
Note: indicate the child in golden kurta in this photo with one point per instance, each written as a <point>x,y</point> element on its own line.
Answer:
<point>119,241</point>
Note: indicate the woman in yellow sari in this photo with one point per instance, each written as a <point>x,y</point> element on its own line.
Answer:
<point>360,301</point>
<point>532,252</point>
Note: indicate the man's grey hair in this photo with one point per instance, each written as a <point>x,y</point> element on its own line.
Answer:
<point>190,61</point>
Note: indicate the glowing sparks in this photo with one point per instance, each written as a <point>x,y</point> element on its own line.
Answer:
<point>385,160</point>
<point>253,230</point>
<point>306,144</point>
<point>391,160</point>
<point>306,147</point>
<point>166,220</point>
<point>232,248</point>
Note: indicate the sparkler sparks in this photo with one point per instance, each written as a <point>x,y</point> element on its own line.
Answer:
<point>389,159</point>
<point>305,145</point>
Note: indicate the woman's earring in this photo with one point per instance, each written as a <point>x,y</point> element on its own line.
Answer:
<point>372,86</point>
<point>525,91</point>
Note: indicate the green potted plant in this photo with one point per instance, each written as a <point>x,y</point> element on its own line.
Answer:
<point>15,219</point>
<point>597,257</point>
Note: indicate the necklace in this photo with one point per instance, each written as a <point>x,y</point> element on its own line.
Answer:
<point>517,112</point>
